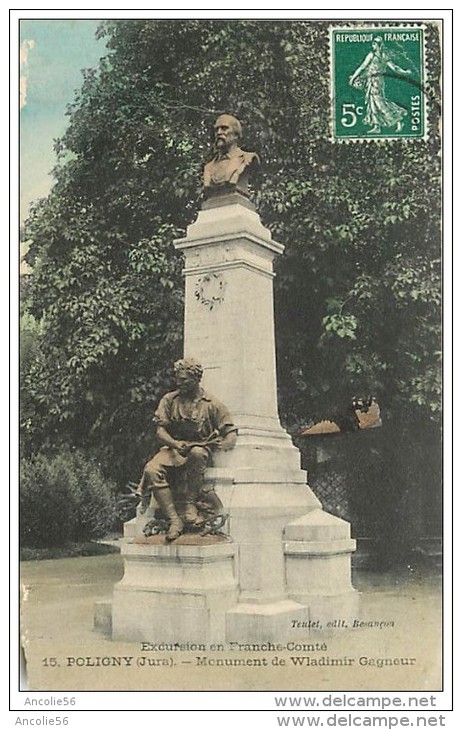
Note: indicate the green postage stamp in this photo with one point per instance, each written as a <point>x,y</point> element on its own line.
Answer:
<point>378,82</point>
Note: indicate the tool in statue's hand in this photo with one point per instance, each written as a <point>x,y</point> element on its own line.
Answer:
<point>186,446</point>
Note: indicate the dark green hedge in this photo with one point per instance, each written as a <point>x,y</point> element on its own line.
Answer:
<point>63,497</point>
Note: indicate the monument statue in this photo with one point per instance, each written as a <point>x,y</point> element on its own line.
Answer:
<point>190,424</point>
<point>229,169</point>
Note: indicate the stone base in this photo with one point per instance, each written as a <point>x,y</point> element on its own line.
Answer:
<point>291,574</point>
<point>174,593</point>
<point>289,565</point>
<point>329,614</point>
<point>318,548</point>
<point>260,503</point>
<point>256,623</point>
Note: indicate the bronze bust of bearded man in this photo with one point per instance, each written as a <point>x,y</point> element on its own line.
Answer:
<point>190,424</point>
<point>229,168</point>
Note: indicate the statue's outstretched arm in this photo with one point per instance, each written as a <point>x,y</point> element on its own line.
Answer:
<point>398,69</point>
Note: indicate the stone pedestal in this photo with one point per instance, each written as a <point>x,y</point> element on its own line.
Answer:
<point>174,592</point>
<point>229,327</point>
<point>317,550</point>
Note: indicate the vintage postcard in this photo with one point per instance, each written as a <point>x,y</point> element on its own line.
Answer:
<point>230,308</point>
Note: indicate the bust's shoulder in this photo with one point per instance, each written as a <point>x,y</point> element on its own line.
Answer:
<point>250,156</point>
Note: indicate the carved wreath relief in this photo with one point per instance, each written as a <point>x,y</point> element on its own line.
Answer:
<point>210,290</point>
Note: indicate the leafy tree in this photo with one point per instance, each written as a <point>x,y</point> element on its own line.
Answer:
<point>357,291</point>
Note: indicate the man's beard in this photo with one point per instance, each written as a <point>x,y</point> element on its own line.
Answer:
<point>222,146</point>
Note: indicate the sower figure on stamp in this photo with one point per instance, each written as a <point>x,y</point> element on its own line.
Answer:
<point>190,424</point>
<point>380,111</point>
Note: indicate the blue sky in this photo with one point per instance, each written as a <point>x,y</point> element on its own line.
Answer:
<point>57,51</point>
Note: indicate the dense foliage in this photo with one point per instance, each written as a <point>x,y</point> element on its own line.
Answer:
<point>357,291</point>
<point>64,498</point>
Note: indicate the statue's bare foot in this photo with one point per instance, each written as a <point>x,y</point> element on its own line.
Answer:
<point>399,126</point>
<point>375,130</point>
